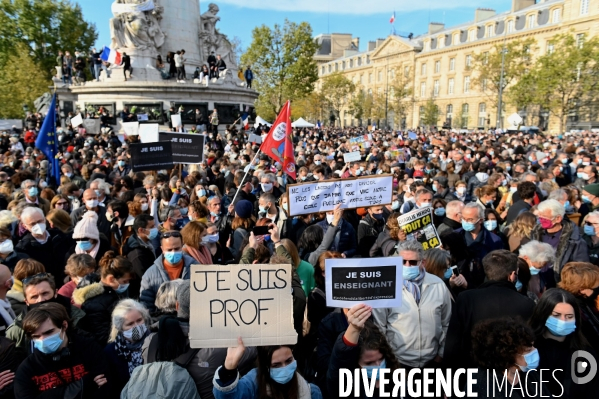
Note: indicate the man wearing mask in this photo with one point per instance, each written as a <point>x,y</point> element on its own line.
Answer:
<point>268,184</point>
<point>91,203</point>
<point>171,265</point>
<point>98,187</point>
<point>453,218</point>
<point>117,213</point>
<point>122,165</point>
<point>345,237</point>
<point>31,192</point>
<point>140,250</point>
<point>369,229</point>
<point>67,170</point>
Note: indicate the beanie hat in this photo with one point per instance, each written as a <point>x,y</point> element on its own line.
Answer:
<point>244,209</point>
<point>592,189</point>
<point>87,226</point>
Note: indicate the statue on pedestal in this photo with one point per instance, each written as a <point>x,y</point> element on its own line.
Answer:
<point>136,25</point>
<point>212,40</point>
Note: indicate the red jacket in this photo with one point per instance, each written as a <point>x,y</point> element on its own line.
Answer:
<point>29,137</point>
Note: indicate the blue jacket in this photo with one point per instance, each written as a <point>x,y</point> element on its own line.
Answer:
<point>345,240</point>
<point>248,74</point>
<point>155,276</point>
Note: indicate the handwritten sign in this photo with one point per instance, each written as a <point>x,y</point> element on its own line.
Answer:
<point>249,301</point>
<point>418,225</point>
<point>352,156</point>
<point>92,126</point>
<point>351,193</point>
<point>376,282</point>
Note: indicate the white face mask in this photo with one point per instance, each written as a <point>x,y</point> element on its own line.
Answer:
<point>39,229</point>
<point>6,246</point>
<point>266,187</point>
<point>91,203</point>
<point>144,207</point>
<point>461,190</point>
<point>330,218</point>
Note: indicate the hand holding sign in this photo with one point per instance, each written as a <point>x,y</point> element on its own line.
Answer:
<point>274,233</point>
<point>356,317</point>
<point>338,214</point>
<point>234,355</point>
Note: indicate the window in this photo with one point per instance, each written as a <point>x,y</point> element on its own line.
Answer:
<point>490,30</point>
<point>482,114</point>
<point>351,63</point>
<point>361,79</point>
<point>449,111</point>
<point>510,26</point>
<point>436,88</point>
<point>584,7</point>
<point>406,71</point>
<point>359,61</point>
<point>393,74</point>
<point>423,89</point>
<point>450,86</point>
<point>423,69</point>
<point>550,47</point>
<point>343,65</point>
<point>456,38</point>
<point>484,85</point>
<point>465,111</point>
<point>555,15</point>
<point>441,41</point>
<point>329,68</point>
<point>380,77</point>
<point>437,66</point>
<point>471,35</point>
<point>336,67</point>
<point>468,61</point>
<point>370,92</point>
<point>322,71</point>
<point>427,45</point>
<point>452,64</point>
<point>369,78</point>
<point>467,84</point>
<point>368,59</point>
<point>580,39</point>
<point>421,112</point>
<point>530,21</point>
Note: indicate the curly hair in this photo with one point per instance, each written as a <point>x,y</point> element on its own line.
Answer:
<point>497,342</point>
<point>522,225</point>
<point>393,226</point>
<point>371,338</point>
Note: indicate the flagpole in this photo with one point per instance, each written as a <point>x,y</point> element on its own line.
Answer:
<point>246,174</point>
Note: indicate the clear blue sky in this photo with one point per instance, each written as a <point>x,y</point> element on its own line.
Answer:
<point>367,20</point>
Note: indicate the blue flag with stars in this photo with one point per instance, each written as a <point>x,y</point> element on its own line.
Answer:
<point>46,142</point>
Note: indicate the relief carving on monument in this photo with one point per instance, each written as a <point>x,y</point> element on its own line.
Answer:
<point>212,40</point>
<point>136,25</point>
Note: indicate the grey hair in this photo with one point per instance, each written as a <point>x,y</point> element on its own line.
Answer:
<point>419,193</point>
<point>478,207</point>
<point>7,218</point>
<point>271,177</point>
<point>526,174</point>
<point>120,313</point>
<point>454,206</point>
<point>17,211</point>
<point>149,180</point>
<point>538,251</point>
<point>26,182</point>
<point>166,297</point>
<point>183,300</point>
<point>558,194</point>
<point>411,246</point>
<point>556,208</point>
<point>32,211</point>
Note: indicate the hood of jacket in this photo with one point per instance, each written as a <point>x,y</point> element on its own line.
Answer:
<point>18,296</point>
<point>482,177</point>
<point>81,295</point>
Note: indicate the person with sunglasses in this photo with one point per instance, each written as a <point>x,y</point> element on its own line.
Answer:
<point>170,265</point>
<point>416,331</point>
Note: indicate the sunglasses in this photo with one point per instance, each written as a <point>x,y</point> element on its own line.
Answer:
<point>410,262</point>
<point>170,234</point>
<point>39,275</point>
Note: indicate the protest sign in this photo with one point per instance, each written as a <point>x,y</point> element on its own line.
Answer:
<point>351,193</point>
<point>352,156</point>
<point>254,138</point>
<point>412,136</point>
<point>92,126</point>
<point>376,282</point>
<point>151,156</point>
<point>187,148</point>
<point>176,120</point>
<point>142,117</point>
<point>253,302</point>
<point>76,120</point>
<point>148,132</point>
<point>7,124</point>
<point>418,225</point>
<point>131,128</point>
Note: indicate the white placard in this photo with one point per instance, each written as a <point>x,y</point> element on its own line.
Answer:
<point>254,138</point>
<point>76,120</point>
<point>92,125</point>
<point>352,156</point>
<point>148,132</point>
<point>351,193</point>
<point>131,128</point>
<point>377,282</point>
<point>176,120</point>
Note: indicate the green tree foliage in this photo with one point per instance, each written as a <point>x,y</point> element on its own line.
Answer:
<point>400,96</point>
<point>336,91</point>
<point>360,105</point>
<point>26,81</point>
<point>45,27</point>
<point>283,64</point>
<point>431,113</point>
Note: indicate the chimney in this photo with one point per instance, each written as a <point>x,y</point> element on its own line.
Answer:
<point>434,27</point>
<point>356,42</point>
<point>518,5</point>
<point>371,45</point>
<point>379,42</point>
<point>483,13</point>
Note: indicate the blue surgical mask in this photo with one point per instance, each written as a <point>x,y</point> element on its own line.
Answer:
<point>567,205</point>
<point>282,375</point>
<point>534,271</point>
<point>518,285</point>
<point>425,204</point>
<point>565,160</point>
<point>560,327</point>
<point>122,288</point>
<point>490,225</point>
<point>447,274</point>
<point>395,205</point>
<point>183,211</point>
<point>586,199</point>
<point>214,214</point>
<point>370,369</point>
<point>440,211</point>
<point>121,163</point>
<point>50,344</point>
<point>181,223</point>
<point>532,360</point>
<point>434,187</point>
<point>589,230</point>
<point>32,192</point>
<point>173,257</point>
<point>467,226</point>
<point>85,245</point>
<point>262,209</point>
<point>153,233</point>
<point>410,272</point>
<point>201,193</point>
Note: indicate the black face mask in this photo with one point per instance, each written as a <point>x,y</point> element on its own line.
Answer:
<point>35,305</point>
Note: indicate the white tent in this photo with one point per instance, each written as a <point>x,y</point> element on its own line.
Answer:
<point>259,121</point>
<point>301,122</point>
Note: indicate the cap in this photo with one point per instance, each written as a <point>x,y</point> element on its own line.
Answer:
<point>592,189</point>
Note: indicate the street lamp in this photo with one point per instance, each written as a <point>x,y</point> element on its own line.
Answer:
<point>500,100</point>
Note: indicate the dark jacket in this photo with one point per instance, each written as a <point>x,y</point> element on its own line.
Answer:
<point>10,359</point>
<point>104,247</point>
<point>448,226</point>
<point>593,250</point>
<point>491,300</point>
<point>345,238</point>
<point>329,329</point>
<point>472,268</point>
<point>98,302</point>
<point>384,245</point>
<point>515,210</point>
<point>12,259</point>
<point>142,256</point>
<point>50,254</point>
<point>103,224</point>
<point>368,231</point>
<point>248,74</point>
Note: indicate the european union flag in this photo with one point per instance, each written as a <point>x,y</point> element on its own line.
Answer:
<point>46,142</point>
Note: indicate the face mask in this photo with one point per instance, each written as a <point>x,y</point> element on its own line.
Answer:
<point>39,229</point>
<point>586,199</point>
<point>440,211</point>
<point>582,176</point>
<point>180,223</point>
<point>370,369</point>
<point>173,257</point>
<point>109,217</point>
<point>153,233</point>
<point>85,245</point>
<point>395,205</point>
<point>559,327</point>
<point>586,163</point>
<point>283,375</point>
<point>69,175</point>
<point>317,162</point>
<point>266,187</point>
<point>490,225</point>
<point>565,161</point>
<point>144,207</point>
<point>410,272</point>
<point>378,216</point>
<point>589,230</point>
<point>122,288</point>
<point>447,274</point>
<point>211,238</point>
<point>330,218</point>
<point>532,360</point>
<point>91,203</point>
<point>461,190</point>
<point>425,204</point>
<point>286,207</point>
<point>201,193</point>
<point>48,345</point>
<point>6,246</point>
<point>262,209</point>
<point>136,333</point>
<point>32,192</point>
<point>518,285</point>
<point>546,223</point>
<point>183,211</point>
<point>358,172</point>
<point>513,189</point>
<point>467,226</point>
<point>121,163</point>
<point>434,187</point>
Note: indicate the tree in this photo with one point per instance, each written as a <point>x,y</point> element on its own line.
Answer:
<point>312,107</point>
<point>336,90</point>
<point>400,97</point>
<point>23,80</point>
<point>431,113</point>
<point>561,81</point>
<point>283,63</point>
<point>45,27</point>
<point>360,106</point>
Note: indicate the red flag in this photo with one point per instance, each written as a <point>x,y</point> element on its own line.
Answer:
<point>278,144</point>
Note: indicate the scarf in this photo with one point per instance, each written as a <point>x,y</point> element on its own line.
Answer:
<point>17,285</point>
<point>22,230</point>
<point>414,286</point>
<point>6,312</point>
<point>303,388</point>
<point>130,351</point>
<point>202,254</point>
<point>92,253</point>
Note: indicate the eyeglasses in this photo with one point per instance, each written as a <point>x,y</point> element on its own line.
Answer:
<point>410,262</point>
<point>39,275</point>
<point>170,234</point>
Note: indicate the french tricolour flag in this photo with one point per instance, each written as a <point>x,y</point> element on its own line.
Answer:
<point>112,56</point>
<point>392,18</point>
<point>246,121</point>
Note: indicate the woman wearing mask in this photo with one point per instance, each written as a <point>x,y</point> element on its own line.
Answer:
<point>486,196</point>
<point>439,205</point>
<point>129,328</point>
<point>520,230</point>
<point>99,299</point>
<point>461,192</point>
<point>220,255</point>
<point>386,243</point>
<point>492,223</point>
<point>194,234</point>
<point>539,257</point>
<point>144,204</point>
<point>283,222</point>
<point>88,239</point>
<point>8,256</point>
<point>198,212</point>
<point>78,266</point>
<point>437,261</point>
<point>558,335</point>
<point>200,193</point>
<point>276,376</point>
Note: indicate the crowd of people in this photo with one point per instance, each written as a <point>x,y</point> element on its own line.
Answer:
<point>95,269</point>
